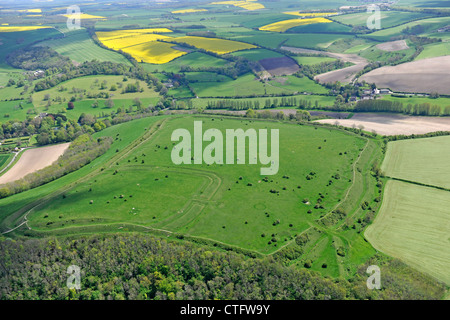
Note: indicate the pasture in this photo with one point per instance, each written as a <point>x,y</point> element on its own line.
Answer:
<point>212,202</point>
<point>87,87</point>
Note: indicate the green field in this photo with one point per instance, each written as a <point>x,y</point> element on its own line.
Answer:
<point>92,84</point>
<point>435,50</point>
<point>388,18</point>
<point>429,25</point>
<point>211,202</point>
<point>4,160</point>
<point>193,60</point>
<point>257,54</point>
<point>247,85</point>
<point>412,225</point>
<point>424,161</point>
<point>78,46</point>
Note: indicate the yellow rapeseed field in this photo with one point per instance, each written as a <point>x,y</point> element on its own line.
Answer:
<point>311,14</point>
<point>284,25</point>
<point>142,44</point>
<point>189,11</point>
<point>249,5</point>
<point>155,52</point>
<point>219,46</point>
<point>85,16</point>
<point>20,28</point>
<point>129,40</point>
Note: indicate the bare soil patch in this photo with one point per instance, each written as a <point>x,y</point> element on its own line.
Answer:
<point>279,66</point>
<point>423,76</point>
<point>33,160</point>
<point>393,46</point>
<point>394,124</point>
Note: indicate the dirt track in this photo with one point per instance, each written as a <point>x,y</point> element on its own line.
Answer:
<point>344,75</point>
<point>393,124</point>
<point>33,160</point>
<point>423,76</point>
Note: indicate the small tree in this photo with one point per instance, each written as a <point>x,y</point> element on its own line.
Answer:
<point>70,105</point>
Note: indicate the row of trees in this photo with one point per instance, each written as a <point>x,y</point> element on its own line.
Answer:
<point>82,151</point>
<point>239,104</point>
<point>423,109</point>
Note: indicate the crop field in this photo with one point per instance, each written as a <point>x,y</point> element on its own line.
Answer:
<point>33,160</point>
<point>422,76</point>
<point>310,14</point>
<point>142,44</point>
<point>257,54</point>
<point>219,46</point>
<point>327,27</point>
<point>435,50</point>
<point>248,4</point>
<point>429,25</point>
<point>285,25</point>
<point>217,204</point>
<point>388,18</point>
<point>413,226</point>
<point>21,28</point>
<point>413,221</point>
<point>403,158</point>
<point>189,11</point>
<point>154,52</point>
<point>78,46</point>
<point>193,60</point>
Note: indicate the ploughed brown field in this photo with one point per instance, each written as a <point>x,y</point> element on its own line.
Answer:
<point>394,124</point>
<point>423,76</point>
<point>33,160</point>
<point>279,66</point>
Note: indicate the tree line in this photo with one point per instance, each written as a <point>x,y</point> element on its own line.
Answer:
<point>422,109</point>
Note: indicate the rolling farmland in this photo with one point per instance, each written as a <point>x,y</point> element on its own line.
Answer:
<point>353,189</point>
